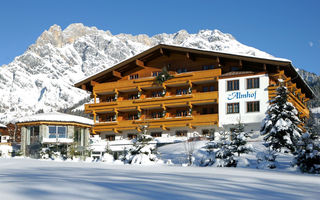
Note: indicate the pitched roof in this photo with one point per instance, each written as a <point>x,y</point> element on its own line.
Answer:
<point>162,47</point>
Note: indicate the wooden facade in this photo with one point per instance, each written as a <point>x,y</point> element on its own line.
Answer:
<point>127,96</point>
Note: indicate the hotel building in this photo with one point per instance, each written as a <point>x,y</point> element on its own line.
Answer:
<point>206,90</point>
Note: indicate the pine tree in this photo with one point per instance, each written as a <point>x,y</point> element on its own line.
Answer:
<point>267,159</point>
<point>280,126</point>
<point>163,76</point>
<point>239,140</point>
<point>308,151</point>
<point>141,151</point>
<point>224,154</point>
<point>210,146</point>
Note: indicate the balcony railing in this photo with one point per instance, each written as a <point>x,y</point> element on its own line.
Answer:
<point>203,97</point>
<point>148,82</point>
<point>191,121</point>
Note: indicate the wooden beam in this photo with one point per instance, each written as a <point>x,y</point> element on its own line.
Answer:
<point>94,117</point>
<point>264,67</point>
<point>218,61</point>
<point>140,63</point>
<point>93,83</point>
<point>288,79</point>
<point>116,74</point>
<point>240,63</point>
<point>116,130</point>
<point>163,127</point>
<point>164,52</point>
<point>190,56</point>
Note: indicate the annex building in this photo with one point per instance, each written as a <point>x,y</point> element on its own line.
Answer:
<point>184,92</point>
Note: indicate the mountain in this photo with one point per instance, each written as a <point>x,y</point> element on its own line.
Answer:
<point>314,82</point>
<point>42,78</point>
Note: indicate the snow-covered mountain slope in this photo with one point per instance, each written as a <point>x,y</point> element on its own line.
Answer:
<point>42,78</point>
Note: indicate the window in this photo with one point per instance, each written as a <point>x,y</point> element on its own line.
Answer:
<point>206,111</point>
<point>207,67</point>
<point>182,70</point>
<point>208,133</point>
<point>253,106</point>
<point>252,83</point>
<point>57,131</point>
<point>52,132</point>
<point>34,134</point>
<point>133,96</point>
<point>110,137</point>
<point>182,91</point>
<point>232,108</point>
<point>156,134</point>
<point>132,136</point>
<point>157,93</point>
<point>155,74</point>
<point>181,133</point>
<point>233,85</point>
<point>108,118</point>
<point>208,88</point>
<point>181,113</point>
<point>156,115</point>
<point>62,132</point>
<point>110,98</point>
<point>133,116</point>
<point>134,76</point>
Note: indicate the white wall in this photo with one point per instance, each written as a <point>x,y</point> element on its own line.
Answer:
<point>252,119</point>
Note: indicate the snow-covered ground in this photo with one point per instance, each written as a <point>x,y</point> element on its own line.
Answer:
<point>30,179</point>
<point>22,178</point>
<point>176,154</point>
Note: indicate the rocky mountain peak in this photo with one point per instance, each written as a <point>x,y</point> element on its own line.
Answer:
<point>51,36</point>
<point>42,77</point>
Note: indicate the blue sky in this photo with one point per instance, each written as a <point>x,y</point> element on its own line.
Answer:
<point>286,28</point>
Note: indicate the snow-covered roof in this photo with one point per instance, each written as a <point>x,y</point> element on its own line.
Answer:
<point>3,126</point>
<point>54,117</point>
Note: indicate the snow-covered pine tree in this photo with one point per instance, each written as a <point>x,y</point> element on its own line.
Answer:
<point>239,139</point>
<point>209,157</point>
<point>267,159</point>
<point>280,126</point>
<point>308,151</point>
<point>224,154</point>
<point>142,152</point>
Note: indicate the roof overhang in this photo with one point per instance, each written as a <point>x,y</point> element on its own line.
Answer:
<point>165,50</point>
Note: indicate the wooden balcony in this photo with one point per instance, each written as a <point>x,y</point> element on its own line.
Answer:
<point>163,123</point>
<point>297,103</point>
<point>148,82</point>
<point>137,104</point>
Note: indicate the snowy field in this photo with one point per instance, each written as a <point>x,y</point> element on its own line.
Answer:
<point>36,179</point>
